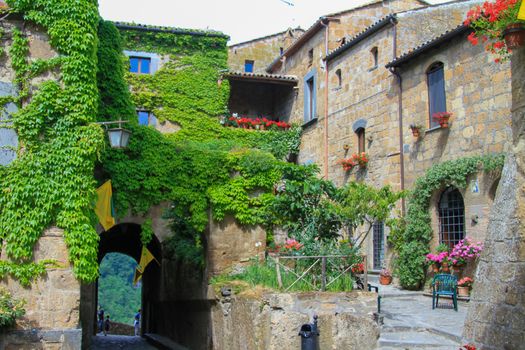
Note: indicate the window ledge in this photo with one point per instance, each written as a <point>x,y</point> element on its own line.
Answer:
<point>309,123</point>
<point>435,128</point>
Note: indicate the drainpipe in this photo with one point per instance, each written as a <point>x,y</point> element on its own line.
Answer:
<point>400,115</point>
<point>326,100</point>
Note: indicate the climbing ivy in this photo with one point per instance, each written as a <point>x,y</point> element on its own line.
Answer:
<point>203,164</point>
<point>412,243</point>
<point>51,182</point>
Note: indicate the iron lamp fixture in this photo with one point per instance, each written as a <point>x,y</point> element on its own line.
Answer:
<point>118,136</point>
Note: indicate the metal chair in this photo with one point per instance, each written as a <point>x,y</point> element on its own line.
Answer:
<point>444,284</point>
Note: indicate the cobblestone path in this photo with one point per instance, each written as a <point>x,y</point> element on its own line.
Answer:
<point>117,342</point>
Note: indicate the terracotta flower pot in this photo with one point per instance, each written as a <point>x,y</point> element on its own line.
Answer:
<point>415,132</point>
<point>457,268</point>
<point>385,280</point>
<point>463,291</point>
<point>443,123</point>
<point>445,268</point>
<point>435,267</point>
<point>514,35</point>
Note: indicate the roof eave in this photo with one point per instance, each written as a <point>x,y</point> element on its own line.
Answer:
<point>427,46</point>
<point>294,47</point>
<point>374,28</point>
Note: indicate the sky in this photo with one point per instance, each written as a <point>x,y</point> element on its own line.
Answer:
<point>242,20</point>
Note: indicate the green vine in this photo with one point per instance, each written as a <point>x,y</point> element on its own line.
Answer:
<point>412,243</point>
<point>204,164</point>
<point>51,182</point>
<point>10,309</point>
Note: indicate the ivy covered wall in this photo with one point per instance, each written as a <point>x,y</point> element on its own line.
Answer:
<point>203,165</point>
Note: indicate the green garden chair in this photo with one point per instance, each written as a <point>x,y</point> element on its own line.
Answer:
<point>444,284</point>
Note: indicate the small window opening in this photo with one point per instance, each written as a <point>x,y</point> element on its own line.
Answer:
<point>360,140</point>
<point>339,78</point>
<point>374,54</point>
<point>436,92</point>
<point>140,65</point>
<point>281,50</point>
<point>310,87</point>
<point>146,118</point>
<point>310,57</point>
<point>248,66</point>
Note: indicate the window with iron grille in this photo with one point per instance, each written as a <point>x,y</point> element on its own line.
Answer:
<point>451,217</point>
<point>379,244</point>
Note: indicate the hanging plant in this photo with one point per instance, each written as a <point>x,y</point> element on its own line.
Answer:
<point>493,23</point>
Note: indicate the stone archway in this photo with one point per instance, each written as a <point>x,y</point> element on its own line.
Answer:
<point>124,238</point>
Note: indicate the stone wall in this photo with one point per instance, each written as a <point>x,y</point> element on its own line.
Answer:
<point>262,51</point>
<point>272,321</point>
<point>52,302</point>
<point>496,318</point>
<point>229,244</point>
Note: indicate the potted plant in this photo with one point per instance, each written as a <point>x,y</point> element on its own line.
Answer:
<point>358,268</point>
<point>360,159</point>
<point>464,286</point>
<point>497,24</point>
<point>348,164</point>
<point>416,129</point>
<point>442,118</point>
<point>464,251</point>
<point>385,276</point>
<point>437,260</point>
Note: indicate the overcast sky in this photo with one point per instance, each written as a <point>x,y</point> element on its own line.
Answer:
<point>242,20</point>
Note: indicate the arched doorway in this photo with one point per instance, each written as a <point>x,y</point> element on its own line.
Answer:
<point>124,238</point>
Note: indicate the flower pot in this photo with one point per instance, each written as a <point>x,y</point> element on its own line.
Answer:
<point>415,132</point>
<point>463,291</point>
<point>445,268</point>
<point>435,267</point>
<point>457,269</point>
<point>514,35</point>
<point>443,123</point>
<point>385,280</point>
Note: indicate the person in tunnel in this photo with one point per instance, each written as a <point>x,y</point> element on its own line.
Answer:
<point>136,323</point>
<point>100,319</point>
<point>107,325</point>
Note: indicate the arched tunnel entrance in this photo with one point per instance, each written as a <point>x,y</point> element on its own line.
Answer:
<point>124,238</point>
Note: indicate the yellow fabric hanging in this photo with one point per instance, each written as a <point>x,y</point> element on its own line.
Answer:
<point>145,258</point>
<point>521,12</point>
<point>137,276</point>
<point>103,207</point>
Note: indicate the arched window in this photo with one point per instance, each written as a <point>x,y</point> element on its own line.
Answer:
<point>339,78</point>
<point>374,53</point>
<point>451,217</point>
<point>360,139</point>
<point>436,91</point>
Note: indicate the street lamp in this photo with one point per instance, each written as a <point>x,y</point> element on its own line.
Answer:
<point>118,136</point>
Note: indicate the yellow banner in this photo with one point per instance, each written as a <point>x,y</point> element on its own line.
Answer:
<point>103,207</point>
<point>136,277</point>
<point>145,258</point>
<point>521,12</point>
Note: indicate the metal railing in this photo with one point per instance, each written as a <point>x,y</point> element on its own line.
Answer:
<point>319,272</point>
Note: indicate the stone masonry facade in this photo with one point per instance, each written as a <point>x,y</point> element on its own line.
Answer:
<point>358,91</point>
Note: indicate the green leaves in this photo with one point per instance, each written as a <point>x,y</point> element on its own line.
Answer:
<point>413,243</point>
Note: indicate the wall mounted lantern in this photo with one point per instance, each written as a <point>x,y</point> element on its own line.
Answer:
<point>118,136</point>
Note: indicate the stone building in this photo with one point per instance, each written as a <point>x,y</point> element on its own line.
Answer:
<point>349,102</point>
<point>255,55</point>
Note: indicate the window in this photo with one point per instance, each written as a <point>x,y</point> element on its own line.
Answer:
<point>146,118</point>
<point>248,66</point>
<point>310,57</point>
<point>140,65</point>
<point>436,92</point>
<point>379,244</point>
<point>281,50</point>
<point>451,217</point>
<point>360,139</point>
<point>310,95</point>
<point>339,78</point>
<point>374,54</point>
